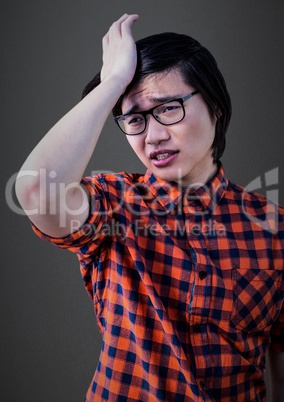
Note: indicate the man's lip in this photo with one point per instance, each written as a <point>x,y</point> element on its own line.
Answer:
<point>154,154</point>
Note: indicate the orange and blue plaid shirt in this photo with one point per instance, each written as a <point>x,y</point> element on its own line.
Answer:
<point>187,287</point>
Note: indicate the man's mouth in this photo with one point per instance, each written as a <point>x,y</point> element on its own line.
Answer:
<point>163,157</point>
<point>161,154</point>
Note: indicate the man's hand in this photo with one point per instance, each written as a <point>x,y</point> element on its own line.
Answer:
<point>119,51</point>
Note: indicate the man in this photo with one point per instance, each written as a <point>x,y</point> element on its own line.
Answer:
<point>185,268</point>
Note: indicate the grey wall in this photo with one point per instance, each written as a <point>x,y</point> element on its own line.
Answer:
<point>50,49</point>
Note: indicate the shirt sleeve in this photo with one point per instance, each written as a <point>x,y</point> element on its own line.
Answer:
<point>90,236</point>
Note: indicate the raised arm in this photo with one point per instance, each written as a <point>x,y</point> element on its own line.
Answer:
<point>62,155</point>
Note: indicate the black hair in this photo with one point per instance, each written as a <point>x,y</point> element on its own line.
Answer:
<point>167,51</point>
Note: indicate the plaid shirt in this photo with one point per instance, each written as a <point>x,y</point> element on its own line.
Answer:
<point>187,288</point>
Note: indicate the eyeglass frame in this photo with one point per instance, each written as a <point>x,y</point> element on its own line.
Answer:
<point>150,111</point>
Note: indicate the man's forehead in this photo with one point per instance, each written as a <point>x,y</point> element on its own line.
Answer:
<point>155,88</point>
<point>156,82</point>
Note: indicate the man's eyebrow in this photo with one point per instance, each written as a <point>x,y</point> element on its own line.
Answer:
<point>162,99</point>
<point>165,98</point>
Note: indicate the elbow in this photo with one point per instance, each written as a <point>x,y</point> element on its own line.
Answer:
<point>29,193</point>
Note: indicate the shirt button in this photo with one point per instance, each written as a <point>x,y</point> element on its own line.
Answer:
<point>202,385</point>
<point>197,328</point>
<point>202,274</point>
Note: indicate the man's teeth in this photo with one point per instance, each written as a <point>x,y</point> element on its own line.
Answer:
<point>162,156</point>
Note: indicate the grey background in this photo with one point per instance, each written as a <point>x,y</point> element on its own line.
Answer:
<point>49,51</point>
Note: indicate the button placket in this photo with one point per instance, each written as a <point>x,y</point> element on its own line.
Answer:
<point>200,297</point>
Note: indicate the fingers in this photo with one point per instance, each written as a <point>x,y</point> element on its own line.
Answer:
<point>126,25</point>
<point>125,19</point>
<point>119,50</point>
<point>119,30</point>
<point>122,25</point>
<point>116,29</point>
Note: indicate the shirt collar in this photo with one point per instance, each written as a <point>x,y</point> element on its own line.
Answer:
<point>169,194</point>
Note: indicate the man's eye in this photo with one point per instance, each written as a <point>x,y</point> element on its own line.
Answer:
<point>134,120</point>
<point>170,108</point>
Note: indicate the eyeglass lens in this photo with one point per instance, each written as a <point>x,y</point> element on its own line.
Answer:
<point>168,113</point>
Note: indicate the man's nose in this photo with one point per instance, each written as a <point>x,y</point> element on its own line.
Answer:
<point>155,131</point>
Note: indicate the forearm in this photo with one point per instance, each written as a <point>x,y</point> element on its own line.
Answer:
<point>67,148</point>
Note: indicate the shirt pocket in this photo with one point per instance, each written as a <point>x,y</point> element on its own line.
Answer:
<point>257,298</point>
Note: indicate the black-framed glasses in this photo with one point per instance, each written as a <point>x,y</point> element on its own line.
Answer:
<point>167,113</point>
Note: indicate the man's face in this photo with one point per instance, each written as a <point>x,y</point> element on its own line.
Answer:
<point>181,151</point>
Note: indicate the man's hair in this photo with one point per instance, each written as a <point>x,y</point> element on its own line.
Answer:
<point>167,51</point>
